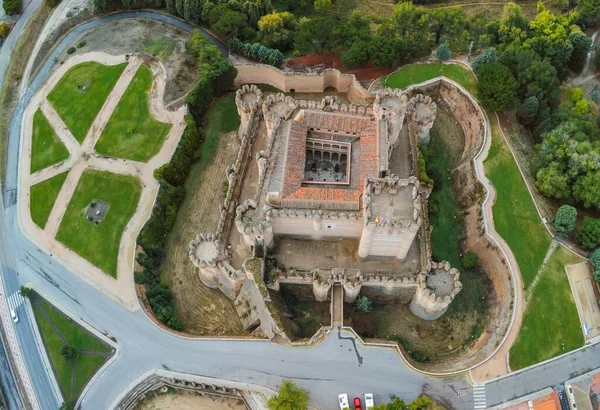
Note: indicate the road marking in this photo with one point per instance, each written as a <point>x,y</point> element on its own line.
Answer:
<point>479,401</point>
<point>15,300</point>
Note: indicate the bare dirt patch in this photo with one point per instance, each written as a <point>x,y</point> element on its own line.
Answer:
<point>202,310</point>
<point>148,36</point>
<point>184,400</point>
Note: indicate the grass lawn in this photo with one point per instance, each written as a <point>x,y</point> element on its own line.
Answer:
<point>81,92</point>
<point>43,196</point>
<point>73,335</point>
<point>162,47</point>
<point>417,73</point>
<point>550,324</point>
<point>515,216</point>
<point>46,148</point>
<point>131,131</point>
<point>99,244</point>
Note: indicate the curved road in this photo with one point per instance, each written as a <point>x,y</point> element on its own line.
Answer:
<point>339,364</point>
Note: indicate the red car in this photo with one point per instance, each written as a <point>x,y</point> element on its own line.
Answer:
<point>357,405</point>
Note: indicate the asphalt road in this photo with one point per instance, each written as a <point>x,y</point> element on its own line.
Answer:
<point>339,364</point>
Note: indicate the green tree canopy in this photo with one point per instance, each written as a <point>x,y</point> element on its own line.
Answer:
<point>581,46</point>
<point>364,304</point>
<point>496,87</point>
<point>588,233</point>
<point>595,260</point>
<point>443,51</point>
<point>485,57</point>
<point>289,397</point>
<point>566,216</point>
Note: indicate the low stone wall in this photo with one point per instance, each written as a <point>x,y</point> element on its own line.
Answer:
<point>304,82</point>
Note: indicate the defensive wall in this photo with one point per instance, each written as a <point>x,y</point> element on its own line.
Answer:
<point>304,82</point>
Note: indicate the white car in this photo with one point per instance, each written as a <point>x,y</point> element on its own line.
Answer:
<point>343,399</point>
<point>369,403</point>
<point>15,317</point>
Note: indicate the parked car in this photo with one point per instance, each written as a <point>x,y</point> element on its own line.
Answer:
<point>343,399</point>
<point>15,317</point>
<point>369,402</point>
<point>357,404</point>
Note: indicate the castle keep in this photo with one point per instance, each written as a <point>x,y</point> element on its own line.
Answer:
<point>330,171</point>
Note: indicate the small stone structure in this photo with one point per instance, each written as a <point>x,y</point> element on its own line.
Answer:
<point>325,173</point>
<point>96,211</point>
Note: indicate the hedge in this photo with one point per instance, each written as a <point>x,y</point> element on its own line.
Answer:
<point>256,52</point>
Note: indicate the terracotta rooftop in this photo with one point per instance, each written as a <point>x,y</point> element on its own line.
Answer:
<point>295,194</point>
<point>549,402</point>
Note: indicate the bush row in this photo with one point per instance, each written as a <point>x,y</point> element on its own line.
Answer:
<point>216,77</point>
<point>256,52</point>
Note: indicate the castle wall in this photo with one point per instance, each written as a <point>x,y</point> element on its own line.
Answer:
<point>304,82</point>
<point>309,227</point>
<point>399,294</point>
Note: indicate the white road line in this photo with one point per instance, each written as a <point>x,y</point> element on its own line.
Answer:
<point>15,300</point>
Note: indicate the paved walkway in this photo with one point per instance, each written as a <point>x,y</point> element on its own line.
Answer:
<point>585,293</point>
<point>82,157</point>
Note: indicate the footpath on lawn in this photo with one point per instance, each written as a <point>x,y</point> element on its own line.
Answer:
<point>517,221</point>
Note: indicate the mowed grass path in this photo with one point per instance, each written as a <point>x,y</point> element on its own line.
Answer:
<point>418,73</point>
<point>550,324</point>
<point>81,92</point>
<point>43,196</point>
<point>515,216</point>
<point>131,131</point>
<point>99,244</point>
<point>46,148</point>
<point>50,321</point>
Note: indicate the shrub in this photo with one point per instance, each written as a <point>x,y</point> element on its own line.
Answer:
<point>364,304</point>
<point>4,29</point>
<point>25,291</point>
<point>52,3</point>
<point>71,50</point>
<point>443,52</point>
<point>81,44</point>
<point>423,177</point>
<point>289,397</point>
<point>528,110</point>
<point>588,233</point>
<point>11,7</point>
<point>363,324</point>
<point>595,260</point>
<point>566,216</point>
<point>469,260</point>
<point>69,353</point>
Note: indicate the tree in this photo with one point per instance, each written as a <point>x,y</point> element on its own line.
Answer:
<point>25,291</point>
<point>275,29</point>
<point>322,6</point>
<point>356,55</point>
<point>4,29</point>
<point>11,7</point>
<point>356,28</point>
<point>443,51</point>
<point>449,21</point>
<point>581,46</point>
<point>364,304</point>
<point>384,51</point>
<point>232,24</point>
<point>513,25</point>
<point>566,216</point>
<point>496,87</point>
<point>420,403</point>
<point>289,397</point>
<point>485,57</point>
<point>314,35</point>
<point>410,19</point>
<point>595,260</point>
<point>588,233</point>
<point>191,10</point>
<point>469,260</point>
<point>528,110</point>
<point>69,353</point>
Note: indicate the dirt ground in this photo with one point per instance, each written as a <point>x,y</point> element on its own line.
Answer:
<point>149,36</point>
<point>203,310</point>
<point>183,400</point>
<point>314,62</point>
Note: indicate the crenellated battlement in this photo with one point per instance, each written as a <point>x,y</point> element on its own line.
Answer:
<point>436,289</point>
